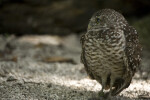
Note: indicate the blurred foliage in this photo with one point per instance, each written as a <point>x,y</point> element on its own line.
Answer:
<point>61,17</point>
<point>143,28</point>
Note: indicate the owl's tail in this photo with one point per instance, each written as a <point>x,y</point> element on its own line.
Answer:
<point>120,85</point>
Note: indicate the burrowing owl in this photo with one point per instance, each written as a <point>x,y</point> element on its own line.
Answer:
<point>110,50</point>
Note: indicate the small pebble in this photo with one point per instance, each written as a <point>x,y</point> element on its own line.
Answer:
<point>11,78</point>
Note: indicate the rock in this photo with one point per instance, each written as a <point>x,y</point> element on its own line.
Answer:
<point>145,75</point>
<point>11,78</point>
<point>49,85</point>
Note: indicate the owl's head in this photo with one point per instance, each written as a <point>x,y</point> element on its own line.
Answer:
<point>106,19</point>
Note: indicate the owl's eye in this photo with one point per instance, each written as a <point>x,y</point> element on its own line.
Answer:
<point>97,20</point>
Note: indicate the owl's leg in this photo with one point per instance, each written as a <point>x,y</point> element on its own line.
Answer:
<point>104,79</point>
<point>112,78</point>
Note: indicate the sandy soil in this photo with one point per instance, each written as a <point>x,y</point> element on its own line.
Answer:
<point>49,68</point>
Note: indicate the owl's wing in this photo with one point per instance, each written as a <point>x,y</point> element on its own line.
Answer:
<point>133,49</point>
<point>83,60</point>
<point>132,57</point>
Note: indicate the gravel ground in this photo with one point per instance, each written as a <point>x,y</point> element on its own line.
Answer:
<point>49,68</point>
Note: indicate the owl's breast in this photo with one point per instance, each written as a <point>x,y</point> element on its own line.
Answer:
<point>105,53</point>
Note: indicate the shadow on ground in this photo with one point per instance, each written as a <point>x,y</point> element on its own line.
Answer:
<point>43,91</point>
<point>24,75</point>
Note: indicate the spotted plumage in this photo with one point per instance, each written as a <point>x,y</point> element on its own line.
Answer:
<point>110,50</point>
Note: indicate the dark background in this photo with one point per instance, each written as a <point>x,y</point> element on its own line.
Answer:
<point>63,17</point>
<point>40,49</point>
